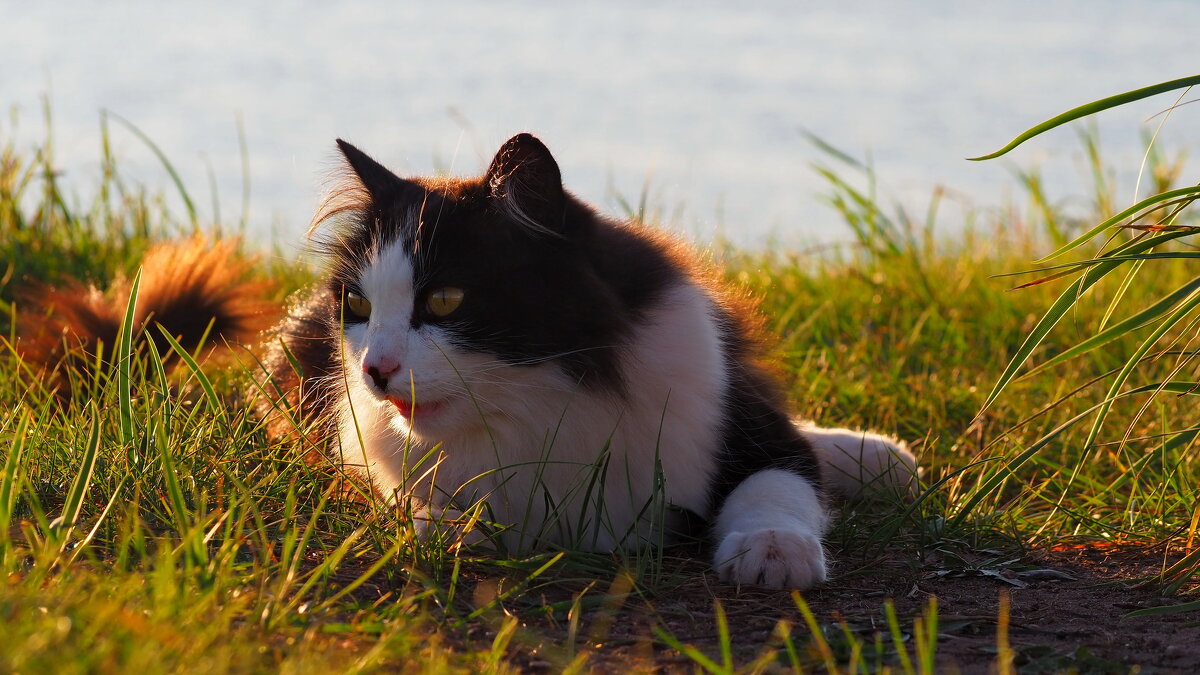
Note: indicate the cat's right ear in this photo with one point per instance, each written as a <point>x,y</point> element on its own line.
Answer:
<point>375,177</point>
<point>525,183</point>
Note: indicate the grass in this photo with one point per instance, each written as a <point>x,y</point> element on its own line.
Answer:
<point>146,522</point>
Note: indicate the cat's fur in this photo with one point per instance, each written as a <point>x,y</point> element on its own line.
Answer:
<point>193,289</point>
<point>593,383</point>
<point>594,387</point>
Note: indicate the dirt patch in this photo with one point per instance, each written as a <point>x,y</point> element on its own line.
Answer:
<point>1067,612</point>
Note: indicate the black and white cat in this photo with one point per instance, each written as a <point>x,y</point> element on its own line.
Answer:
<point>494,338</point>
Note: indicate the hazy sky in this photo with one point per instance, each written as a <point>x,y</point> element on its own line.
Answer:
<point>703,102</point>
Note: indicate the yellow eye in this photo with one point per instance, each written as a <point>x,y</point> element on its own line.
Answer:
<point>358,305</point>
<point>443,301</point>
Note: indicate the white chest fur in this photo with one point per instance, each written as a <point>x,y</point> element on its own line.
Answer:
<point>558,462</point>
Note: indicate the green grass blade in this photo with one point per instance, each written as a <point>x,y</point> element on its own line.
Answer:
<point>73,505</point>
<point>10,481</point>
<point>818,636</point>
<point>1181,572</point>
<point>81,546</point>
<point>162,157</point>
<point>1091,109</point>
<point>1164,610</point>
<point>244,152</point>
<point>1122,328</point>
<point>893,624</point>
<point>1181,312</point>
<point>164,384</point>
<point>210,392</point>
<point>1059,309</point>
<point>1133,212</point>
<point>362,578</point>
<point>723,636</point>
<point>519,585</point>
<point>125,362</point>
<point>698,657</point>
<point>171,480</point>
<point>965,509</point>
<point>1128,258</point>
<point>832,151</point>
<point>1067,269</point>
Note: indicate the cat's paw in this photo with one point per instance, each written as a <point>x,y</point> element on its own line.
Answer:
<point>774,558</point>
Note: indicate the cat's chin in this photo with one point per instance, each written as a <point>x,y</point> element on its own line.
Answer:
<point>410,409</point>
<point>432,421</point>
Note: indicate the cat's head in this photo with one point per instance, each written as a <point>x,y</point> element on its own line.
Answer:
<point>469,296</point>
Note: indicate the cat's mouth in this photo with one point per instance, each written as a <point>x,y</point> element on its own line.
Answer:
<point>410,409</point>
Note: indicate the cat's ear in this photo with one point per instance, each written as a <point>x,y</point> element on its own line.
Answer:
<point>526,185</point>
<point>374,176</point>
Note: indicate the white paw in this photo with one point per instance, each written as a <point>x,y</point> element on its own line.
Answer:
<point>773,558</point>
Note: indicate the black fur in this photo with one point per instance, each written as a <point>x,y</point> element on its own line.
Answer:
<point>568,293</point>
<point>545,279</point>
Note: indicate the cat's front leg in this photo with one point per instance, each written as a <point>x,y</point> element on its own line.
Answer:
<point>769,530</point>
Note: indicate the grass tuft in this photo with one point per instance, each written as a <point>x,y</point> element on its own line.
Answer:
<point>146,521</point>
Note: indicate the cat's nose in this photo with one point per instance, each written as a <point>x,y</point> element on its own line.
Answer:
<point>379,370</point>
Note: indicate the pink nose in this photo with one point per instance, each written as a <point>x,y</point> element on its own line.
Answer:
<point>379,370</point>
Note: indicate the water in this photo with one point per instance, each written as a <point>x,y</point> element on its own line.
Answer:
<point>702,101</point>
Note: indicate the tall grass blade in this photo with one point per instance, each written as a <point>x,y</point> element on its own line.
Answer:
<point>893,623</point>
<point>1062,305</point>
<point>1180,313</point>
<point>1133,213</point>
<point>521,584</point>
<point>818,635</point>
<point>10,480</point>
<point>73,504</point>
<point>162,157</point>
<point>244,153</point>
<point>210,392</point>
<point>830,150</point>
<point>1119,330</point>
<point>1164,610</point>
<point>164,385</point>
<point>1091,109</point>
<point>723,636</point>
<point>698,657</point>
<point>125,362</point>
<point>362,578</point>
<point>991,483</point>
<point>171,480</point>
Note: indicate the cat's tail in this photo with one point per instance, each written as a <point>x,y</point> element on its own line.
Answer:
<point>858,464</point>
<point>198,290</point>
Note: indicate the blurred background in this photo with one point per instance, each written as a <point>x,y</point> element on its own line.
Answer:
<point>701,105</point>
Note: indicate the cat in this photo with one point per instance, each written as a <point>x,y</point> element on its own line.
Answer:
<point>503,363</point>
<point>495,341</point>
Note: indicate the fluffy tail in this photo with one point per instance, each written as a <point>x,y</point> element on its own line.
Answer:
<point>195,289</point>
<point>857,464</point>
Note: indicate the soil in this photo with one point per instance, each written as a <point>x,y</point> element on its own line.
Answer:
<point>1067,614</point>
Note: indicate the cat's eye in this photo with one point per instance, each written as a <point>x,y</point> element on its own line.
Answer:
<point>443,301</point>
<point>358,305</point>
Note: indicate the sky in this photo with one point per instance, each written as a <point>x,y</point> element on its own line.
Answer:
<point>702,105</point>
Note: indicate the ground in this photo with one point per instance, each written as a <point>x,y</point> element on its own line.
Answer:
<point>1067,613</point>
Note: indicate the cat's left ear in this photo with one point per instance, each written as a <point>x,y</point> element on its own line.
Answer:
<point>375,177</point>
<point>526,185</point>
